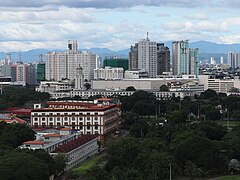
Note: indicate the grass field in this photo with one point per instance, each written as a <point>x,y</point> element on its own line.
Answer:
<point>88,164</point>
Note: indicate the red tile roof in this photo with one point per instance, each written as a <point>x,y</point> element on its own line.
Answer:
<point>34,142</point>
<point>65,129</point>
<point>65,148</point>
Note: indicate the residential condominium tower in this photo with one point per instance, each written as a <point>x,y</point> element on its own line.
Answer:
<point>62,65</point>
<point>153,57</point>
<point>234,59</point>
<point>184,59</point>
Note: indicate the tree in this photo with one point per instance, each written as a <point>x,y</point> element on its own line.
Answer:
<point>164,87</point>
<point>130,88</point>
<point>22,165</point>
<point>60,163</point>
<point>87,86</point>
<point>200,151</point>
<point>14,135</point>
<point>177,117</point>
<point>208,94</point>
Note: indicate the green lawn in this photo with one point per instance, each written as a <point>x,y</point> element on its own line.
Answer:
<point>88,164</point>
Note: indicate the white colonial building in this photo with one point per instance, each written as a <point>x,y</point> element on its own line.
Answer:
<point>75,146</point>
<point>99,117</point>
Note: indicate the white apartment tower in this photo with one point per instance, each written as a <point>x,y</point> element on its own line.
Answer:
<point>62,65</point>
<point>147,56</point>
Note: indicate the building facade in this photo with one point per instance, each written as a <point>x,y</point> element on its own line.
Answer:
<point>40,72</point>
<point>133,57</point>
<point>184,59</point>
<point>108,73</point>
<point>234,59</point>
<point>116,62</point>
<point>163,59</point>
<point>99,118</point>
<point>62,65</point>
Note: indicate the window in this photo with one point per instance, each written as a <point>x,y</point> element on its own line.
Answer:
<point>96,127</point>
<point>88,127</point>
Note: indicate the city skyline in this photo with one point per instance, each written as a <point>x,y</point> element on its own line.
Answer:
<point>116,24</point>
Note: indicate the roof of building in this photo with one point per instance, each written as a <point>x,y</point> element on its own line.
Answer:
<point>65,148</point>
<point>74,106</point>
<point>10,118</point>
<point>20,111</point>
<point>104,99</point>
<point>34,142</point>
<point>52,135</point>
<point>65,129</point>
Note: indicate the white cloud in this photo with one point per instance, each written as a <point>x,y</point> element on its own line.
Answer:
<point>198,16</point>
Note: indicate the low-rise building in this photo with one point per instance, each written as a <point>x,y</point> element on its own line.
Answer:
<point>75,146</point>
<point>54,86</point>
<point>99,117</point>
<point>108,73</point>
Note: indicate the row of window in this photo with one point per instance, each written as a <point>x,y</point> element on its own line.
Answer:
<point>67,118</point>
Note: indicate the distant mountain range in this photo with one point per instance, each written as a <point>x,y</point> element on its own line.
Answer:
<point>206,49</point>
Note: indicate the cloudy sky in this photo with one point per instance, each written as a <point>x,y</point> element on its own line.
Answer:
<point>114,24</point>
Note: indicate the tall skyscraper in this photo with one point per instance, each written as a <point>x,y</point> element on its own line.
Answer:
<point>153,57</point>
<point>62,65</point>
<point>163,59</point>
<point>193,61</point>
<point>133,57</point>
<point>184,59</point>
<point>31,75</point>
<point>234,59</point>
<point>147,56</point>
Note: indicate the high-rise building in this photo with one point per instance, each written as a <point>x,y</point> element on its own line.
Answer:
<point>62,65</point>
<point>133,57</point>
<point>184,59</point>
<point>150,56</point>
<point>40,72</point>
<point>163,59</point>
<point>116,62</point>
<point>31,74</point>
<point>147,56</point>
<point>180,57</point>
<point>234,59</point>
<point>193,61</point>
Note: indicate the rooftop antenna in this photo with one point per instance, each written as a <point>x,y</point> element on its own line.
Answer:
<point>20,56</point>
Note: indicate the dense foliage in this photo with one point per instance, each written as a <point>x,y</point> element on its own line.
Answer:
<point>182,135</point>
<point>19,96</point>
<point>21,164</point>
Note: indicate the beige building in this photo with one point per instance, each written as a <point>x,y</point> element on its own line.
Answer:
<point>139,84</point>
<point>218,85</point>
<point>62,65</point>
<point>108,73</point>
